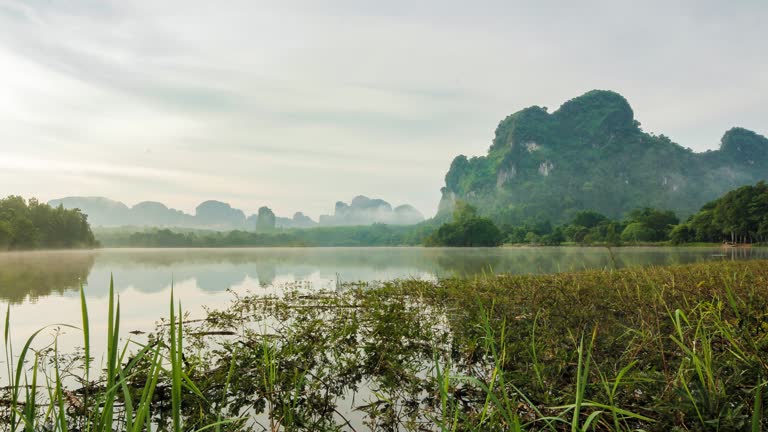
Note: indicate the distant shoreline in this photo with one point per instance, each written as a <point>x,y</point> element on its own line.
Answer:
<point>506,246</point>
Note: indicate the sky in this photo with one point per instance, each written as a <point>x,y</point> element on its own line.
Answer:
<point>299,104</point>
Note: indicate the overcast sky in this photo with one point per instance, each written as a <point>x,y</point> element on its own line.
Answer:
<point>298,104</point>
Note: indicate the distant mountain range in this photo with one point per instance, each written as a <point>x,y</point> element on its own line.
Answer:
<point>591,154</point>
<point>218,215</point>
<point>364,211</point>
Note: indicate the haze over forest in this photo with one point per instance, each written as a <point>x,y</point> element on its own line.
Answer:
<point>218,215</point>
<point>309,215</point>
<point>592,154</point>
<point>294,106</point>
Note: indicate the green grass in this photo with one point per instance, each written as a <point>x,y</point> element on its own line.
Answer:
<point>107,404</point>
<point>657,349</point>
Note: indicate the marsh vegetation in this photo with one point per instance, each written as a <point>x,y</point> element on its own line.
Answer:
<point>659,348</point>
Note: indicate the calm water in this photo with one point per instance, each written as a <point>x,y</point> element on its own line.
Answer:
<point>42,287</point>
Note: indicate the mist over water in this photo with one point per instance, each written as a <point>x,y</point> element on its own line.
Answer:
<point>43,287</point>
<point>29,277</point>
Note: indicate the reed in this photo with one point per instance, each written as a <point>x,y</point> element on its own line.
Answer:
<point>106,405</point>
<point>656,349</point>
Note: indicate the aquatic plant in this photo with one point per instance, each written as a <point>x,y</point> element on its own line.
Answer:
<point>658,349</point>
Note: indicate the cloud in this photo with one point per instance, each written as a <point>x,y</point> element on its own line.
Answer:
<point>297,104</point>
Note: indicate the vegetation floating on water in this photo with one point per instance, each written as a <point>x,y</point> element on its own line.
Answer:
<point>661,348</point>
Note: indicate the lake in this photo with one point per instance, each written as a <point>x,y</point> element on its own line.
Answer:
<point>43,287</point>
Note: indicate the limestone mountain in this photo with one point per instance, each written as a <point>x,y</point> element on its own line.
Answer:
<point>101,211</point>
<point>155,213</point>
<point>217,215</point>
<point>592,154</point>
<point>211,214</point>
<point>299,220</point>
<point>365,211</point>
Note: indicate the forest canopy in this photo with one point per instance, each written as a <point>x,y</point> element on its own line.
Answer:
<point>35,225</point>
<point>740,216</point>
<point>468,229</point>
<point>591,154</point>
<point>345,236</point>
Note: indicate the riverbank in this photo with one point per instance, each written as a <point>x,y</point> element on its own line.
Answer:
<point>657,348</point>
<point>346,236</point>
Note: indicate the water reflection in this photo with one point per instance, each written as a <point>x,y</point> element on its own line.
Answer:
<point>38,274</point>
<point>33,275</point>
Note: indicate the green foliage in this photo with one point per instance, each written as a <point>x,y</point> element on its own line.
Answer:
<point>587,227</point>
<point>645,225</point>
<point>368,235</point>
<point>657,349</point>
<point>555,238</point>
<point>531,237</point>
<point>464,212</point>
<point>588,219</point>
<point>34,225</point>
<point>656,224</point>
<point>126,398</point>
<point>638,232</point>
<point>740,215</point>
<point>471,233</point>
<point>611,235</point>
<point>591,154</point>
<point>744,146</point>
<point>682,233</point>
<point>467,230</point>
<point>265,221</point>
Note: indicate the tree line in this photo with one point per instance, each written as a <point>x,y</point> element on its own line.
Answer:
<point>363,235</point>
<point>645,225</point>
<point>739,216</point>
<point>35,225</point>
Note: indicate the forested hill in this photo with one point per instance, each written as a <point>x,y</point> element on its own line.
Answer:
<point>592,154</point>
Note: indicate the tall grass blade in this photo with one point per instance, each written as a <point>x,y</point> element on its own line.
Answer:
<point>16,383</point>
<point>145,402</point>
<point>61,417</point>
<point>757,409</point>
<point>128,401</point>
<point>31,407</point>
<point>113,337</point>
<point>223,402</point>
<point>86,350</point>
<point>175,366</point>
<point>582,379</point>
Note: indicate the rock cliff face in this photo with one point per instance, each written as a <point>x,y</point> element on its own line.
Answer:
<point>365,211</point>
<point>104,212</point>
<point>218,214</point>
<point>101,211</point>
<point>299,220</point>
<point>592,154</point>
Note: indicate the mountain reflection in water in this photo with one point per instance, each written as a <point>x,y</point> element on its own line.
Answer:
<point>31,275</point>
